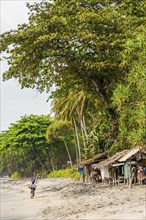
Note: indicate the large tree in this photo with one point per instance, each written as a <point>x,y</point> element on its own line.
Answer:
<point>75,45</point>
<point>71,40</point>
<point>24,147</point>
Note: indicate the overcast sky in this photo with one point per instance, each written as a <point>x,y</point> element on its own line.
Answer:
<point>14,101</point>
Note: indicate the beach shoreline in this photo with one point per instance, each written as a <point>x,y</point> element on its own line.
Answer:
<point>63,199</point>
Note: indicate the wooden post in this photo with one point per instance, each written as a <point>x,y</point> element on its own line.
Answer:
<point>130,176</point>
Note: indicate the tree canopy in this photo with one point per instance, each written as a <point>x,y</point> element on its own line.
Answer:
<point>93,53</point>
<point>24,147</point>
<point>68,40</point>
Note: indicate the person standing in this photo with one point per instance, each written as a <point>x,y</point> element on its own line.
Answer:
<point>32,189</point>
<point>33,179</point>
<point>134,174</point>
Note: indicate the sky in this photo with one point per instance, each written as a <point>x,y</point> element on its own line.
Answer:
<point>16,102</point>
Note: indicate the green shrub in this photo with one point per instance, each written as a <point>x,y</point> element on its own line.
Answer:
<point>42,174</point>
<point>67,173</point>
<point>76,175</point>
<point>15,175</point>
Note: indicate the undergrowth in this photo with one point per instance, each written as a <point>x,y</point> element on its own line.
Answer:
<point>67,173</point>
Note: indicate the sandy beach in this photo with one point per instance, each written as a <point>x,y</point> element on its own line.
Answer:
<point>63,199</point>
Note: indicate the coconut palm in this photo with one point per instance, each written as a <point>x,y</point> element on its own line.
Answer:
<point>73,108</point>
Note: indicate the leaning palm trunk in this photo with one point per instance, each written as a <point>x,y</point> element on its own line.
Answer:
<point>76,147</point>
<point>68,154</point>
<point>82,122</point>
<point>83,136</point>
<point>84,126</point>
<point>77,138</point>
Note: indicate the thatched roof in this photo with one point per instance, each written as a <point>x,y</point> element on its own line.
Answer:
<point>96,158</point>
<point>110,160</point>
<point>131,153</point>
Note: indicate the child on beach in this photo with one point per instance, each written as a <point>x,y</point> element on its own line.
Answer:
<point>32,187</point>
<point>33,179</point>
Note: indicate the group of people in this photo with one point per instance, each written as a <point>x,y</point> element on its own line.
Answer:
<point>139,174</point>
<point>109,174</point>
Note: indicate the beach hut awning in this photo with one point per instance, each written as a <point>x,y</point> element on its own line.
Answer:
<point>129,154</point>
<point>117,164</point>
<point>120,164</point>
<point>96,158</point>
<point>110,160</point>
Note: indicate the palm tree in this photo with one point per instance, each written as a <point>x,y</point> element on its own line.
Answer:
<point>73,108</point>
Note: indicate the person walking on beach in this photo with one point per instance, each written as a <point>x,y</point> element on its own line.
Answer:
<point>32,187</point>
<point>33,179</point>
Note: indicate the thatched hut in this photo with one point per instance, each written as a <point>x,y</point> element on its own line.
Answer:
<point>134,163</point>
<point>108,172</point>
<point>87,164</point>
<point>111,160</point>
<point>134,154</point>
<point>118,168</point>
<point>96,159</point>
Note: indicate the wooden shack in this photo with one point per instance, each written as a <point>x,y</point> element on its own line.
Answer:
<point>110,173</point>
<point>87,164</point>
<point>119,167</point>
<point>134,163</point>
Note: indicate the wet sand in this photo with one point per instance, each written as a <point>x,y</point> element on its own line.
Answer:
<point>64,199</point>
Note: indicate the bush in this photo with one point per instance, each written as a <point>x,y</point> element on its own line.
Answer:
<point>76,175</point>
<point>67,173</point>
<point>15,175</point>
<point>42,174</point>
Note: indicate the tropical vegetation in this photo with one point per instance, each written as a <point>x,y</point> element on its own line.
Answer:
<point>91,56</point>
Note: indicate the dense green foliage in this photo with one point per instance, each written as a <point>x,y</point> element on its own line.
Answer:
<point>129,97</point>
<point>23,146</point>
<point>60,133</point>
<point>94,55</point>
<point>25,150</point>
<point>67,173</point>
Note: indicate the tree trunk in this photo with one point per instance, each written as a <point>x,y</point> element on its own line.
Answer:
<point>84,124</point>
<point>77,138</point>
<point>77,154</point>
<point>100,90</point>
<point>82,130</point>
<point>83,127</point>
<point>68,154</point>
